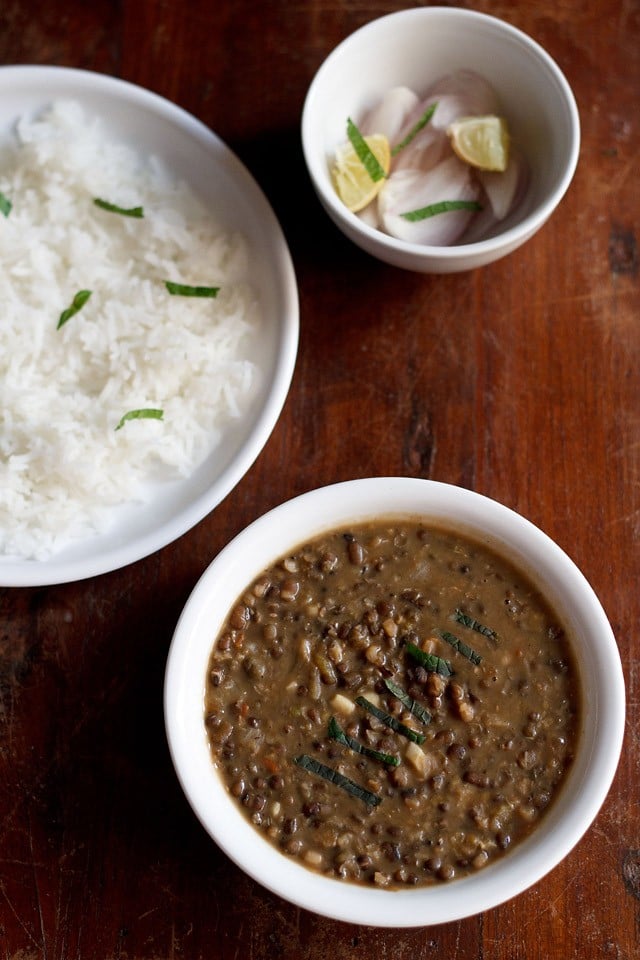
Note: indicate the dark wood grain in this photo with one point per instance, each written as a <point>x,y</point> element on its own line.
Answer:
<point>519,381</point>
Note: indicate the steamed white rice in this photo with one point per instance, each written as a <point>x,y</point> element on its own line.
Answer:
<point>63,464</point>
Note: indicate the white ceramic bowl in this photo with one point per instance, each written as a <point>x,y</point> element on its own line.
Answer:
<point>414,48</point>
<point>287,526</point>
<point>190,151</point>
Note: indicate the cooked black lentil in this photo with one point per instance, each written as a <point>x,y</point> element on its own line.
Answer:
<point>325,627</point>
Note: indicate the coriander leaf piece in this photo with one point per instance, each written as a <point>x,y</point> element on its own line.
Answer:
<point>114,208</point>
<point>430,661</point>
<point>390,721</point>
<point>412,705</point>
<point>337,733</point>
<point>367,156</point>
<point>473,624</point>
<point>461,647</point>
<point>144,413</point>
<point>5,205</point>
<point>415,129</point>
<point>334,776</point>
<point>443,206</point>
<point>77,304</point>
<point>185,290</point>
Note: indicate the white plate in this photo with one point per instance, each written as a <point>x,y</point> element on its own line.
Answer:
<point>155,126</point>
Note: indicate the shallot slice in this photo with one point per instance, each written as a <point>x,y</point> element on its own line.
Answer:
<point>370,214</point>
<point>408,190</point>
<point>390,115</point>
<point>425,150</point>
<point>501,188</point>
<point>461,94</point>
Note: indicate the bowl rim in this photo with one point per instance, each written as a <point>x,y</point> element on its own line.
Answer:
<point>328,507</point>
<point>459,251</point>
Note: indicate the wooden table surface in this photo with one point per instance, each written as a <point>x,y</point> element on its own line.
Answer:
<point>518,380</point>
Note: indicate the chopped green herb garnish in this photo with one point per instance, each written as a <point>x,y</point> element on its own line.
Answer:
<point>412,705</point>
<point>461,647</point>
<point>390,721</point>
<point>430,661</point>
<point>337,733</point>
<point>472,624</point>
<point>185,290</point>
<point>5,205</point>
<point>144,413</point>
<point>77,304</point>
<point>333,776</point>
<point>444,206</point>
<point>114,208</point>
<point>367,156</point>
<point>416,128</point>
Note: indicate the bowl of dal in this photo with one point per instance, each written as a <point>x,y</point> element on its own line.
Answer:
<point>338,698</point>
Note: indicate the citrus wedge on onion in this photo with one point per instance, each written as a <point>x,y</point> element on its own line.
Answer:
<point>352,180</point>
<point>482,142</point>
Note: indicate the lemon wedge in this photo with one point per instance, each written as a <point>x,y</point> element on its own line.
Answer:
<point>353,182</point>
<point>482,142</point>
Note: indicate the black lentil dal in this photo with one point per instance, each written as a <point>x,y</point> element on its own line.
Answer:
<point>329,624</point>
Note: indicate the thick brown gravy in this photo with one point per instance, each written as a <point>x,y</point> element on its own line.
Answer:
<point>415,643</point>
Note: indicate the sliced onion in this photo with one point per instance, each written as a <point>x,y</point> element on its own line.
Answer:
<point>370,215</point>
<point>408,190</point>
<point>461,94</point>
<point>390,115</point>
<point>501,188</point>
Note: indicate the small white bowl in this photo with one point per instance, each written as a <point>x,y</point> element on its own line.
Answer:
<point>284,528</point>
<point>414,48</point>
